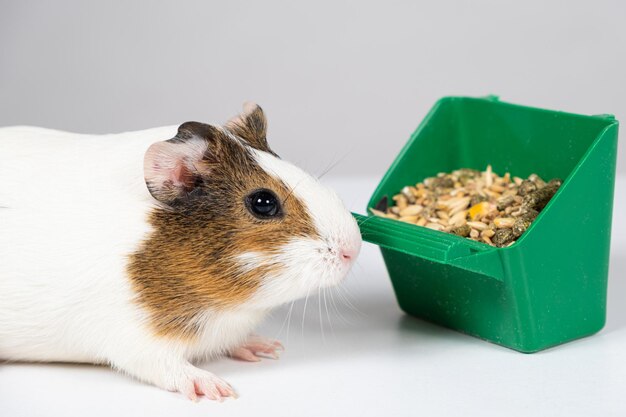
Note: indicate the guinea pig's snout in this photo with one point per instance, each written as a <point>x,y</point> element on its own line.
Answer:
<point>348,253</point>
<point>342,254</point>
<point>348,247</point>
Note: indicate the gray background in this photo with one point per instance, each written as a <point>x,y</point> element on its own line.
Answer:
<point>340,81</point>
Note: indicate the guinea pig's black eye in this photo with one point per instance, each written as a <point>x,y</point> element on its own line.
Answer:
<point>263,204</point>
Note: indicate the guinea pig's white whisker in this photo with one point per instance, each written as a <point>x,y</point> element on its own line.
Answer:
<point>306,300</point>
<point>333,306</point>
<point>345,296</point>
<point>329,165</point>
<point>367,219</point>
<point>362,222</point>
<point>289,319</point>
<point>285,321</point>
<point>332,331</point>
<point>334,164</point>
<point>357,263</point>
<point>291,309</point>
<point>291,191</point>
<point>319,309</point>
<point>337,309</point>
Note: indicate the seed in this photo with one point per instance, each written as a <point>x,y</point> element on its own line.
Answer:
<point>492,194</point>
<point>474,233</point>
<point>434,226</point>
<point>488,233</point>
<point>459,207</point>
<point>458,218</point>
<point>408,219</point>
<point>504,222</point>
<point>488,177</point>
<point>478,210</point>
<point>411,210</point>
<point>453,201</point>
<point>477,225</point>
<point>517,212</point>
<point>401,201</point>
<point>408,193</point>
<point>537,180</point>
<point>421,222</point>
<point>382,214</point>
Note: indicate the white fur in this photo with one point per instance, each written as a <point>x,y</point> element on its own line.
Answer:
<point>335,224</point>
<point>306,264</point>
<point>73,207</point>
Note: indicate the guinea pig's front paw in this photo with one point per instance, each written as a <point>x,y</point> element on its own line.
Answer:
<point>194,382</point>
<point>257,347</point>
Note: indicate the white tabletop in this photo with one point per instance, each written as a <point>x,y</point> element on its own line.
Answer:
<point>366,360</point>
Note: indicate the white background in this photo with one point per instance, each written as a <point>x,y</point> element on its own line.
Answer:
<point>377,362</point>
<point>338,79</point>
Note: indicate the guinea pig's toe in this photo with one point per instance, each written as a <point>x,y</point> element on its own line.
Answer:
<point>203,383</point>
<point>257,347</point>
<point>208,388</point>
<point>244,354</point>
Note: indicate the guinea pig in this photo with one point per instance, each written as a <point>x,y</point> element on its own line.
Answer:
<point>149,251</point>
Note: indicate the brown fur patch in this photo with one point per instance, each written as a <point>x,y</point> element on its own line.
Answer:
<point>187,264</point>
<point>251,126</point>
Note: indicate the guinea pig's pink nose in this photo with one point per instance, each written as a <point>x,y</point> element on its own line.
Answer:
<point>348,254</point>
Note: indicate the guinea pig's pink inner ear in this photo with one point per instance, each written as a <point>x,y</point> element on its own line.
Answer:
<point>171,169</point>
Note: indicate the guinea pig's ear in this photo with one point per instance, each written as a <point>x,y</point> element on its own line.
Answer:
<point>173,168</point>
<point>251,126</point>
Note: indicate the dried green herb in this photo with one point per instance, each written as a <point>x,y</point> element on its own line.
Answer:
<point>503,237</point>
<point>463,230</point>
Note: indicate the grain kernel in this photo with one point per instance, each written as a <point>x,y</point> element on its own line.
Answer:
<point>504,222</point>
<point>411,210</point>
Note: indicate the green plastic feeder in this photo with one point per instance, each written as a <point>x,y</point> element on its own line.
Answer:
<point>550,286</point>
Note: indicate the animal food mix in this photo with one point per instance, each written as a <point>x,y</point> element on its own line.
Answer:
<point>481,206</point>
